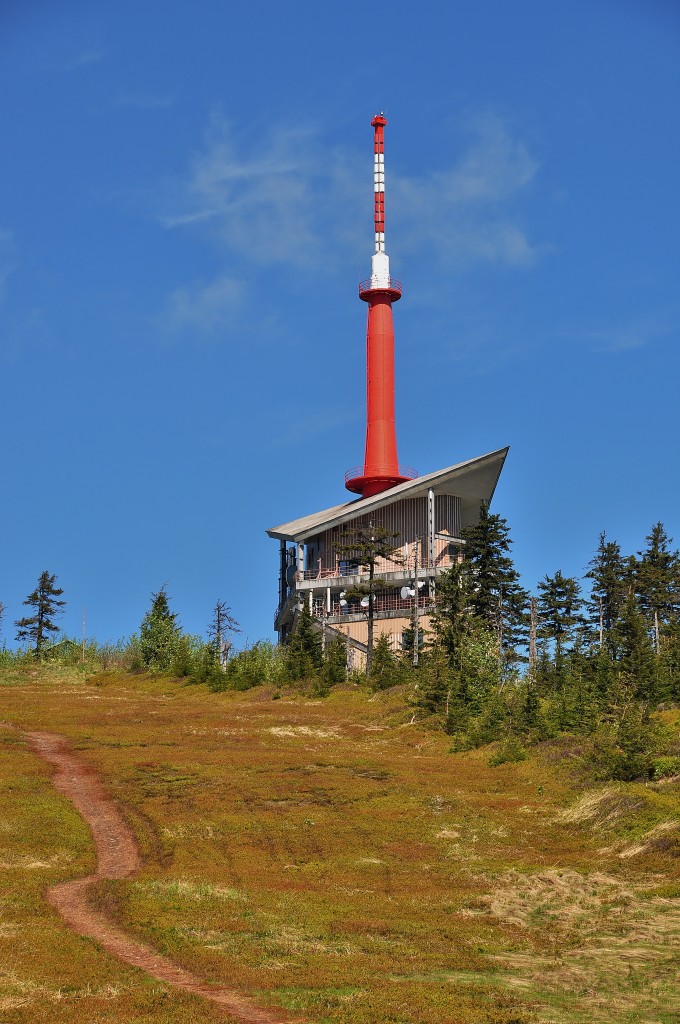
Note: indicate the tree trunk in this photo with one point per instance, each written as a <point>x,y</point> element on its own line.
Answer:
<point>39,632</point>
<point>533,625</point>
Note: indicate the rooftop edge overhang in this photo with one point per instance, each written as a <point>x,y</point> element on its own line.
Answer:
<point>473,481</point>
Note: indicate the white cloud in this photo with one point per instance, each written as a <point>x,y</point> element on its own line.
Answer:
<point>464,212</point>
<point>289,199</point>
<point>261,204</point>
<point>202,308</point>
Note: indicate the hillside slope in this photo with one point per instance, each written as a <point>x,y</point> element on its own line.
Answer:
<point>330,858</point>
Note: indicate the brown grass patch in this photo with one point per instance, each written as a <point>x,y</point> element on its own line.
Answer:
<point>604,808</point>
<point>664,838</point>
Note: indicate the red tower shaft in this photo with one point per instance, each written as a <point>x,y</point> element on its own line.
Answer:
<point>381,464</point>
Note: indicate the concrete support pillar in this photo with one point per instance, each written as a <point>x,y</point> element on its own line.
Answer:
<point>431,546</point>
<point>283,589</point>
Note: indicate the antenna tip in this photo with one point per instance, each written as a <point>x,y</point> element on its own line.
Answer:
<point>379,119</point>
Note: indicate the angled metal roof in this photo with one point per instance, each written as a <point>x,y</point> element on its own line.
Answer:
<point>473,482</point>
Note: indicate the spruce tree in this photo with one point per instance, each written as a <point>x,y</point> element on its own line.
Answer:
<point>637,659</point>
<point>576,706</point>
<point>657,582</point>
<point>303,651</point>
<point>560,615</point>
<point>335,660</point>
<point>453,614</point>
<point>434,689</point>
<point>384,666</point>
<point>408,640</point>
<point>496,596</point>
<point>38,627</point>
<point>158,633</point>
<point>367,544</point>
<point>610,574</point>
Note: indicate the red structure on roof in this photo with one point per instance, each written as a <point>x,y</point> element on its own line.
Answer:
<point>381,467</point>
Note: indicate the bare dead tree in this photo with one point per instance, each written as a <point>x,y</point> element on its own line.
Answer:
<point>222,626</point>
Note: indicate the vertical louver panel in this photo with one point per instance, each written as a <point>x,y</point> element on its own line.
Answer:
<point>408,520</point>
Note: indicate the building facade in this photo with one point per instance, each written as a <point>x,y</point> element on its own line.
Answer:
<point>425,515</point>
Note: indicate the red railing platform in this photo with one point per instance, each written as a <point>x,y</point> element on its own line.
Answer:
<point>359,472</point>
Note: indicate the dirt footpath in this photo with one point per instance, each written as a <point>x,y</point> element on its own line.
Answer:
<point>118,857</point>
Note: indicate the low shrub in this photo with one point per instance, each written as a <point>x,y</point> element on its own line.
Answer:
<point>510,751</point>
<point>665,767</point>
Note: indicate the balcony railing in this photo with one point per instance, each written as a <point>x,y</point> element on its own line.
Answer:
<point>381,603</point>
<point>341,572</point>
<point>390,284</point>
<point>356,472</point>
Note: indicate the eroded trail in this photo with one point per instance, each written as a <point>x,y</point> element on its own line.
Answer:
<point>118,857</point>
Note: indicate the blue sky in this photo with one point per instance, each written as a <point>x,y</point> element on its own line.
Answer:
<point>185,212</point>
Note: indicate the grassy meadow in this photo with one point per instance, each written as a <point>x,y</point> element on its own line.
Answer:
<point>330,856</point>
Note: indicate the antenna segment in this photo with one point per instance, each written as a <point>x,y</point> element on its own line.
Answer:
<point>381,466</point>
<point>380,264</point>
<point>379,122</point>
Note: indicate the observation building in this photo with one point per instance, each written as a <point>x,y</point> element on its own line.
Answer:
<point>425,513</point>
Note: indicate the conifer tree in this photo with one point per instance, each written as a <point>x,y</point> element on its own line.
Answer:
<point>496,596</point>
<point>158,633</point>
<point>304,655</point>
<point>335,660</point>
<point>434,690</point>
<point>559,610</point>
<point>657,582</point>
<point>453,616</point>
<point>530,704</point>
<point>367,544</point>
<point>610,573</point>
<point>637,659</point>
<point>408,640</point>
<point>45,600</point>
<point>576,705</point>
<point>669,663</point>
<point>384,665</point>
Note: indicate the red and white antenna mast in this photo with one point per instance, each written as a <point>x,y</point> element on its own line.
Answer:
<point>381,466</point>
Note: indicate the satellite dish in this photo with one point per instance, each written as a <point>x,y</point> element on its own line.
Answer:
<point>343,603</point>
<point>342,594</point>
<point>365,601</point>
<point>405,592</point>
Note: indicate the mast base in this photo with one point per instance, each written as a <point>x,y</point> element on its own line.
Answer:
<point>367,484</point>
